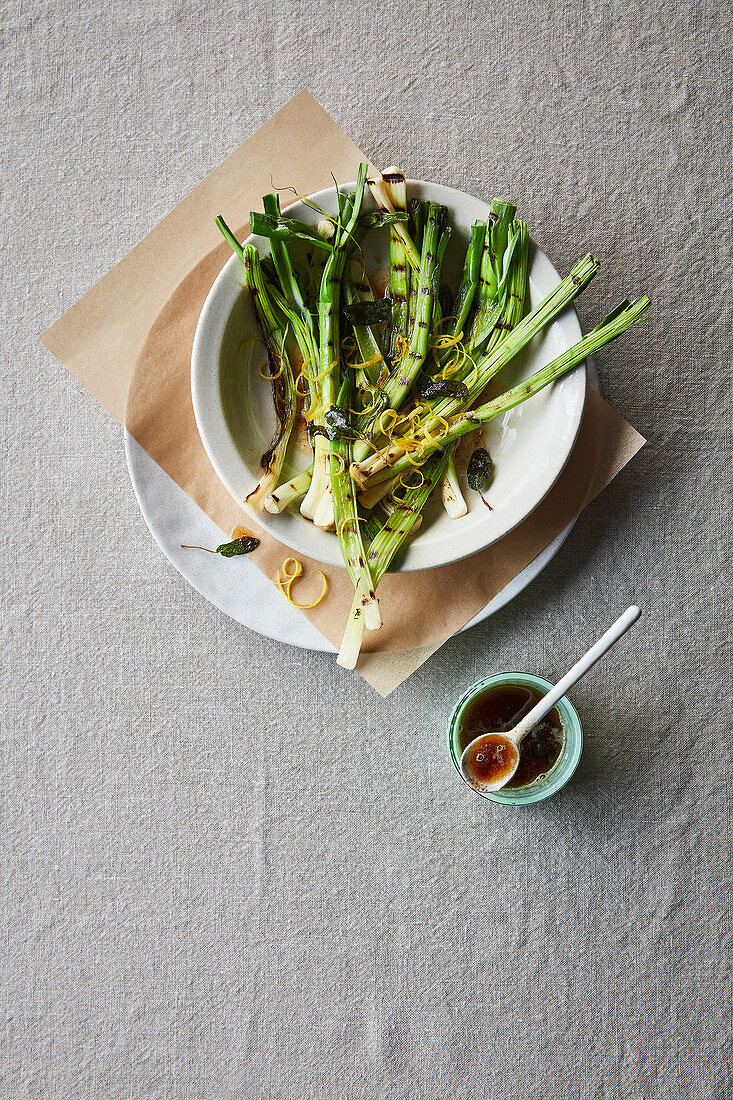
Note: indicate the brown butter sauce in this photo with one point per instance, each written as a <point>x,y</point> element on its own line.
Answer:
<point>498,709</point>
<point>490,759</point>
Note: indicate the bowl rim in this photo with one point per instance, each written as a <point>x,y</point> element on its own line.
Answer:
<point>216,310</point>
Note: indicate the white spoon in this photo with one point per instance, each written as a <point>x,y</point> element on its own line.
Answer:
<point>491,759</point>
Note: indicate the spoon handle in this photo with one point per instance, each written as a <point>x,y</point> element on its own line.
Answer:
<point>602,646</point>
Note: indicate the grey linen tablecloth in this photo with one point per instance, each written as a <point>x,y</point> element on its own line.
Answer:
<point>229,869</point>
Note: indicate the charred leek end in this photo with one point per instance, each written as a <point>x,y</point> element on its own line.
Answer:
<point>381,196</point>
<point>385,546</point>
<point>348,532</point>
<point>273,329</point>
<point>256,499</point>
<point>451,493</point>
<point>290,492</point>
<point>348,654</point>
<point>393,185</point>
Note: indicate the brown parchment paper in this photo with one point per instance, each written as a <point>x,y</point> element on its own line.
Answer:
<point>160,417</point>
<point>129,342</point>
<point>99,339</point>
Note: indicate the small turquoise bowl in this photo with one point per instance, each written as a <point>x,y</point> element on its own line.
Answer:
<point>563,767</point>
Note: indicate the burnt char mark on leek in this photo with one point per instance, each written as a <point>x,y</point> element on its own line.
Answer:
<point>418,215</point>
<point>273,332</point>
<point>283,408</point>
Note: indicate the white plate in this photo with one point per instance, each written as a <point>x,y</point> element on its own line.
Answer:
<point>530,445</point>
<point>235,585</point>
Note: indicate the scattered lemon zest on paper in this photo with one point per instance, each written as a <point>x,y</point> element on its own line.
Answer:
<point>285,582</point>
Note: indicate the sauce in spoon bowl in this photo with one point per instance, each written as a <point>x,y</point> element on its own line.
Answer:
<point>489,759</point>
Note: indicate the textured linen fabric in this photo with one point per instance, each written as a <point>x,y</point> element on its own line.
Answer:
<point>231,870</point>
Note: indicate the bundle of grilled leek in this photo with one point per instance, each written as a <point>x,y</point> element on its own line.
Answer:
<point>387,386</point>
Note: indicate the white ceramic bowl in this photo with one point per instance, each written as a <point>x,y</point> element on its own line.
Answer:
<point>529,445</point>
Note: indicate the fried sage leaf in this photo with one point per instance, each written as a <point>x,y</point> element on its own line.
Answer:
<point>369,313</point>
<point>480,470</point>
<point>245,544</point>
<point>337,426</point>
<point>442,387</point>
